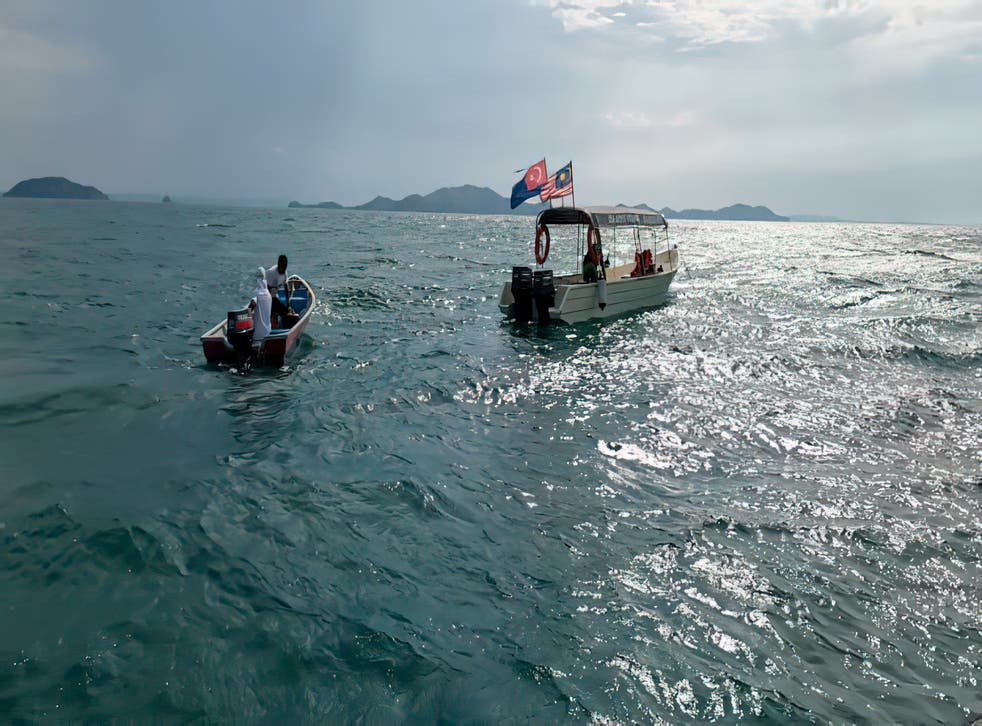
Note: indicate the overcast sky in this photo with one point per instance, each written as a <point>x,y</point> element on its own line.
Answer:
<point>863,109</point>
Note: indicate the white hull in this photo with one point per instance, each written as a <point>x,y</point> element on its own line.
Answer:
<point>577,302</point>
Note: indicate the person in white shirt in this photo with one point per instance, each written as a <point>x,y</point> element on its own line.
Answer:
<point>260,306</point>
<point>275,279</point>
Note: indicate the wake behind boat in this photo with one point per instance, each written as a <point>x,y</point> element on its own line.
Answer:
<point>594,290</point>
<point>222,347</point>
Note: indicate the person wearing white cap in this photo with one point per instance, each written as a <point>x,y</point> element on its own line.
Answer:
<point>260,305</point>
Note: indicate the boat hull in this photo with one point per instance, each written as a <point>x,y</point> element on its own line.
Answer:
<point>280,343</point>
<point>577,302</point>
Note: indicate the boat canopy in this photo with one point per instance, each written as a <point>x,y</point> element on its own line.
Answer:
<point>564,215</point>
<point>602,217</point>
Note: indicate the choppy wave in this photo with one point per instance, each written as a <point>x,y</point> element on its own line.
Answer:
<point>760,501</point>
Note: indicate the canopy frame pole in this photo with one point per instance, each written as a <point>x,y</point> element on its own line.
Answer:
<point>579,249</point>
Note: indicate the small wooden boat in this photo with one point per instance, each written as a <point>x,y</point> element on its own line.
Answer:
<point>280,343</point>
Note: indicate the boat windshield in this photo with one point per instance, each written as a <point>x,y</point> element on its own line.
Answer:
<point>620,244</point>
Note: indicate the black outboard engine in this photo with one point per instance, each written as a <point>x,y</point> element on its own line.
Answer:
<point>544,293</point>
<point>238,330</point>
<point>521,290</point>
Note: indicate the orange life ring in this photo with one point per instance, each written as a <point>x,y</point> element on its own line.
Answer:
<point>541,253</point>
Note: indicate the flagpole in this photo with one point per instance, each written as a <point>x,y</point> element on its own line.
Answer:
<point>572,187</point>
<point>546,167</point>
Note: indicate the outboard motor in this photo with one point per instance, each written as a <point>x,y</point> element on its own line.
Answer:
<point>521,290</point>
<point>544,293</point>
<point>238,330</point>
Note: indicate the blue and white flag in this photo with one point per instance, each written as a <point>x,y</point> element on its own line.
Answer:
<point>530,184</point>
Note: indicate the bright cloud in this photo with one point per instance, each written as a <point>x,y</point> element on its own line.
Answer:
<point>582,15</point>
<point>629,120</point>
<point>639,120</point>
<point>951,27</point>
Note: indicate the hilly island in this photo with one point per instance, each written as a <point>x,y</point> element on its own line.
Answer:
<point>53,187</point>
<point>470,199</point>
<point>466,199</point>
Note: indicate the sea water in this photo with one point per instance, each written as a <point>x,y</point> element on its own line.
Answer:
<point>761,500</point>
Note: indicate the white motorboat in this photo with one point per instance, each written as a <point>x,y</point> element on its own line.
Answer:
<point>595,288</point>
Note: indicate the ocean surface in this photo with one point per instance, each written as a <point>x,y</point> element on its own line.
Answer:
<point>759,502</point>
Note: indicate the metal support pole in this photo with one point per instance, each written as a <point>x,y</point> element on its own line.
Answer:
<point>572,186</point>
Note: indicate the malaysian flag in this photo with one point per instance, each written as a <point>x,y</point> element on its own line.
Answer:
<point>559,184</point>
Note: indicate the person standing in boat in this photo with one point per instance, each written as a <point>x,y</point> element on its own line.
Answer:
<point>275,279</point>
<point>589,268</point>
<point>260,305</point>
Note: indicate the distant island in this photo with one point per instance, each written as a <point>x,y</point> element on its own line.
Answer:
<point>467,199</point>
<point>53,187</point>
<point>735,212</point>
<point>322,205</point>
<point>470,199</point>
